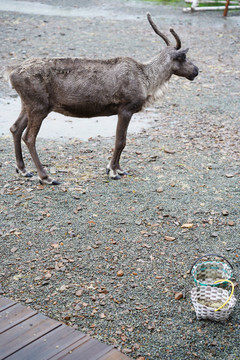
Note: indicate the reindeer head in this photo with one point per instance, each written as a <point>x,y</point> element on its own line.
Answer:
<point>181,66</point>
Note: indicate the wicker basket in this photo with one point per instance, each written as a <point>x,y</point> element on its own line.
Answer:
<point>207,272</point>
<point>206,300</point>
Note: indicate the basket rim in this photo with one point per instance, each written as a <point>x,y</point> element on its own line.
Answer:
<point>226,269</point>
<point>215,255</point>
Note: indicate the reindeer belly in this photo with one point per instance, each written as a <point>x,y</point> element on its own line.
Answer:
<point>87,110</point>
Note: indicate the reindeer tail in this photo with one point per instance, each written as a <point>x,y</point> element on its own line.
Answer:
<point>7,74</point>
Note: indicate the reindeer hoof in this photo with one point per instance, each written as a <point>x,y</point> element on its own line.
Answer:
<point>122,172</point>
<point>29,175</point>
<point>26,174</point>
<point>115,177</point>
<point>115,174</point>
<point>52,182</point>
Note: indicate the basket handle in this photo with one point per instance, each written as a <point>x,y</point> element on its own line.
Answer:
<point>210,255</point>
<point>229,281</point>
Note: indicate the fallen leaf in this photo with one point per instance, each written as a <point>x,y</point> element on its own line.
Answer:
<point>55,246</point>
<point>168,151</point>
<point>187,226</point>
<point>123,337</point>
<point>91,222</point>
<point>178,295</point>
<point>169,238</point>
<point>63,288</point>
<point>126,351</point>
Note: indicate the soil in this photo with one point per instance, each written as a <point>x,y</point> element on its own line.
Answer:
<point>113,258</point>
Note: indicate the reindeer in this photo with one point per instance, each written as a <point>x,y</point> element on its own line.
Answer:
<point>87,88</point>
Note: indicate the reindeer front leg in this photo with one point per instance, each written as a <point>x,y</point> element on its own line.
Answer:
<point>34,123</point>
<point>17,129</point>
<point>113,168</point>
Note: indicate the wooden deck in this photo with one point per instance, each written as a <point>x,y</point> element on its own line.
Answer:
<point>27,335</point>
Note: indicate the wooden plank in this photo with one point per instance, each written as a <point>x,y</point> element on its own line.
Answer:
<point>49,345</point>
<point>114,355</point>
<point>26,335</point>
<point>71,348</point>
<point>14,315</point>
<point>90,350</point>
<point>5,303</point>
<point>23,334</point>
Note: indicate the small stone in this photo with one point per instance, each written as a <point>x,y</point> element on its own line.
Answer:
<point>79,292</point>
<point>214,235</point>
<point>120,273</point>
<point>225,213</point>
<point>231,223</point>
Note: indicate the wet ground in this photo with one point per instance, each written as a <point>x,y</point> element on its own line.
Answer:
<point>57,126</point>
<point>184,169</point>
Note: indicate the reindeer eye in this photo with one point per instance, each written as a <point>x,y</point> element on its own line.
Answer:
<point>182,57</point>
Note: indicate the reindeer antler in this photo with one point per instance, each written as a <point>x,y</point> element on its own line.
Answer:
<point>178,41</point>
<point>157,31</point>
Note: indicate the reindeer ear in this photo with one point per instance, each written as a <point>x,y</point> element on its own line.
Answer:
<point>180,55</point>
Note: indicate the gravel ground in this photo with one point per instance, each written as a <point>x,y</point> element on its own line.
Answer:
<point>110,258</point>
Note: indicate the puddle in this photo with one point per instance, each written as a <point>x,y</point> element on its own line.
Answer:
<point>57,126</point>
<point>36,8</point>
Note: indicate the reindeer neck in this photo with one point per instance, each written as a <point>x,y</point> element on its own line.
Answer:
<point>157,71</point>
